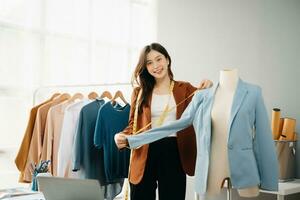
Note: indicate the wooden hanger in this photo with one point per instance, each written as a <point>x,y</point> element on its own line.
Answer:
<point>76,96</point>
<point>62,97</point>
<point>106,94</point>
<point>54,96</point>
<point>92,95</point>
<point>119,94</point>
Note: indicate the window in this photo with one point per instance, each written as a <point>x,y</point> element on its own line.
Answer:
<point>64,42</point>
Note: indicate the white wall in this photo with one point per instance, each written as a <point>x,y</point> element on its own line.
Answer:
<point>259,37</point>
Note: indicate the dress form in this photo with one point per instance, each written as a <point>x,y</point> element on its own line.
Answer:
<point>220,115</point>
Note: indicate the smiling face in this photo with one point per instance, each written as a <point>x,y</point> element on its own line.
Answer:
<point>157,65</point>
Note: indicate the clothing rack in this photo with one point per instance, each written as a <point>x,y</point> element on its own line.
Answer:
<point>36,91</point>
<point>42,93</point>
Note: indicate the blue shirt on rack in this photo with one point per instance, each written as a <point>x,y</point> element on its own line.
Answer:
<point>86,156</point>
<point>110,121</point>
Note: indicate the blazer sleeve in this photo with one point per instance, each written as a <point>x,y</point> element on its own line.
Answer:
<point>155,134</point>
<point>129,128</point>
<point>264,147</point>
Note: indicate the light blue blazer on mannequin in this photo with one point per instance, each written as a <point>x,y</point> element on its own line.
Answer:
<point>251,149</point>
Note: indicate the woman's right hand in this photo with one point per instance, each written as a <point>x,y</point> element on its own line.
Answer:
<point>121,140</point>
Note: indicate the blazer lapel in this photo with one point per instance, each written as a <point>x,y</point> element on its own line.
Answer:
<point>179,95</point>
<point>211,98</point>
<point>239,96</point>
<point>147,110</point>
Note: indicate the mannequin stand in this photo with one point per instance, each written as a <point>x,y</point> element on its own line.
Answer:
<point>229,189</point>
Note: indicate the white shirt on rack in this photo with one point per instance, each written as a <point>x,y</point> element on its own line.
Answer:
<point>158,105</point>
<point>68,131</point>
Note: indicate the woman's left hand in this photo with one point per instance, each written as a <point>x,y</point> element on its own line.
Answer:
<point>205,83</point>
<point>121,140</point>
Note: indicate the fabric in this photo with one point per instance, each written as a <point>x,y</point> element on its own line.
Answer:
<point>110,121</point>
<point>251,149</point>
<point>36,144</point>
<point>86,157</point>
<point>69,126</point>
<point>186,142</point>
<point>22,154</point>
<point>52,134</point>
<point>171,181</point>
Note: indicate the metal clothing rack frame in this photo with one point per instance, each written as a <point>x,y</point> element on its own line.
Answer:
<point>36,91</point>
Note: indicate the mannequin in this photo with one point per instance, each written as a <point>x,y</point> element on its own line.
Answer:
<point>220,114</point>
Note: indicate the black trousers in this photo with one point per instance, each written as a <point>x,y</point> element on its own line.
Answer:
<point>163,169</point>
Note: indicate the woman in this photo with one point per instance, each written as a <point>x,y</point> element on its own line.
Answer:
<point>165,162</point>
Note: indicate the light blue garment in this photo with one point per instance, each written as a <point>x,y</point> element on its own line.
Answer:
<point>251,149</point>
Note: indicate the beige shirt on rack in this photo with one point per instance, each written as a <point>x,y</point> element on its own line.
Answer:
<point>52,134</point>
<point>36,144</point>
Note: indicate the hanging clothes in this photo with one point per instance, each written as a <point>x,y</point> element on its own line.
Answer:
<point>52,134</point>
<point>36,144</point>
<point>70,123</point>
<point>111,120</point>
<point>86,156</point>
<point>21,157</point>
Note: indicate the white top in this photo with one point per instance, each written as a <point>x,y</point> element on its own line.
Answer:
<point>70,123</point>
<point>158,105</point>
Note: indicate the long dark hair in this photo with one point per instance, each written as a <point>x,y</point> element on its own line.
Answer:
<point>141,76</point>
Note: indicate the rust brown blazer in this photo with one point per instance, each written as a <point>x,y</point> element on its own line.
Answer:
<point>186,141</point>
